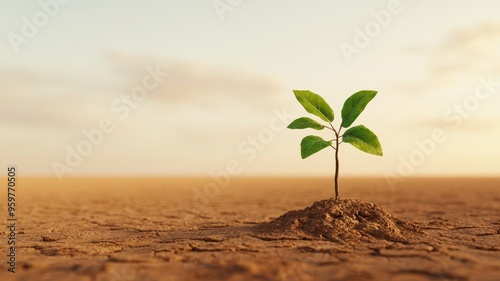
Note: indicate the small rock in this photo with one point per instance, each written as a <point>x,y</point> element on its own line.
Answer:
<point>49,239</point>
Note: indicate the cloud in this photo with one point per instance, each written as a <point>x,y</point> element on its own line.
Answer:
<point>466,54</point>
<point>34,99</point>
<point>202,109</point>
<point>200,85</point>
<point>38,100</point>
<point>469,50</point>
<point>475,125</point>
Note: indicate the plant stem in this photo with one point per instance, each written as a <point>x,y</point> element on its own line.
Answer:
<point>336,147</point>
<point>337,142</point>
<point>337,170</point>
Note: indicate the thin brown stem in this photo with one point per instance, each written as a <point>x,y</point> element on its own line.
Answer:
<point>337,143</point>
<point>333,129</point>
<point>337,197</point>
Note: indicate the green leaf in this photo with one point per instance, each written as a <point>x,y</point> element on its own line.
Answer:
<point>304,123</point>
<point>363,139</point>
<point>354,105</point>
<point>311,145</point>
<point>314,104</point>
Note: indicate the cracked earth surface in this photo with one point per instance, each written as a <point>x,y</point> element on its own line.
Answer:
<point>150,229</point>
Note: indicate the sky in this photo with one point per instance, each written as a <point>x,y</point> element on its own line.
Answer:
<point>199,88</point>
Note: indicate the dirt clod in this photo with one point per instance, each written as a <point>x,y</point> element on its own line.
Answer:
<point>343,221</point>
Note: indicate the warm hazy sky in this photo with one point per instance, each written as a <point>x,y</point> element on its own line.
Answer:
<point>228,71</point>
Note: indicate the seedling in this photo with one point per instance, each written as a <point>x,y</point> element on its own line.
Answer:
<point>358,136</point>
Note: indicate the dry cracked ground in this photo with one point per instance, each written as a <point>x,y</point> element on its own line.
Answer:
<point>150,229</point>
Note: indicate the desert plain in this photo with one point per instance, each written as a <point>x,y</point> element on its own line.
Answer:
<point>127,229</point>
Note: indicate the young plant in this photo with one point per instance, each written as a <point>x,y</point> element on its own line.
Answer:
<point>358,136</point>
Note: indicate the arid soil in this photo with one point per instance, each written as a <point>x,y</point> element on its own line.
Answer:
<point>160,229</point>
<point>342,221</point>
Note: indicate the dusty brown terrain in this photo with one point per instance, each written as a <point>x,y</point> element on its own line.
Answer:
<point>150,229</point>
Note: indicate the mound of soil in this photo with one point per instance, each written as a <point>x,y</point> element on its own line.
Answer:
<point>343,221</point>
